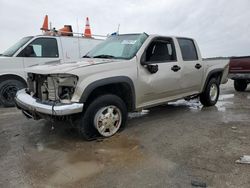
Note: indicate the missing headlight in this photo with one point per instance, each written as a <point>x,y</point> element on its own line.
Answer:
<point>66,92</point>
<point>61,87</point>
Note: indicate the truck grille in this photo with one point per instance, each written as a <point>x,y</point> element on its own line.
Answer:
<point>42,87</point>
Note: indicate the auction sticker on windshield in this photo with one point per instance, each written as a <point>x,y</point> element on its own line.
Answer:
<point>128,42</point>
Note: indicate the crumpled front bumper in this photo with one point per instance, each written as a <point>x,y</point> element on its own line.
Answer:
<point>29,104</point>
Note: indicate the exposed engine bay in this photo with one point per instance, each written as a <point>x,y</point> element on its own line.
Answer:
<point>52,88</point>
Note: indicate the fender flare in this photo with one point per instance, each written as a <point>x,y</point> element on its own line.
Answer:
<point>209,75</point>
<point>106,81</point>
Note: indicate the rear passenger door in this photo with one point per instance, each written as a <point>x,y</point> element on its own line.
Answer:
<point>40,51</point>
<point>192,67</point>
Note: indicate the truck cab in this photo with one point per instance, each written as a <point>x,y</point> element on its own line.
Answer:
<point>37,50</point>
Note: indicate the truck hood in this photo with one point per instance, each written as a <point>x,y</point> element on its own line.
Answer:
<point>5,59</point>
<point>55,67</point>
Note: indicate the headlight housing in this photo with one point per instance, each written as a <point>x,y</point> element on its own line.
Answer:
<point>61,86</point>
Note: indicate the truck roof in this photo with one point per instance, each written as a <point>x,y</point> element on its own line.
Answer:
<point>155,35</point>
<point>171,36</point>
<point>59,36</point>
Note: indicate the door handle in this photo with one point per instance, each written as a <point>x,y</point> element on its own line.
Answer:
<point>175,68</point>
<point>198,66</point>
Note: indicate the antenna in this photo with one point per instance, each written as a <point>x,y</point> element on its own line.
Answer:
<point>118,29</point>
<point>77,25</point>
<point>78,38</point>
<point>50,25</point>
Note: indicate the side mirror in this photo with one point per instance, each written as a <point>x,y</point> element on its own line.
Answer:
<point>153,69</point>
<point>28,51</point>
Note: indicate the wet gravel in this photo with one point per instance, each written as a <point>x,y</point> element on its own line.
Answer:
<point>171,145</point>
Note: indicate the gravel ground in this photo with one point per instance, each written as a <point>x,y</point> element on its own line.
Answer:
<point>167,146</point>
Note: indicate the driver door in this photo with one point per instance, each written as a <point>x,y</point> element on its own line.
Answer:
<point>40,51</point>
<point>163,82</point>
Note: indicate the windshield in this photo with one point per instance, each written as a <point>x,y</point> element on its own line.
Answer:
<point>118,47</point>
<point>13,49</point>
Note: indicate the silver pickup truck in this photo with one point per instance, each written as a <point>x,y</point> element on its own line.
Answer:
<point>125,73</point>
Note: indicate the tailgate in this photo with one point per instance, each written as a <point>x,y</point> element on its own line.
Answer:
<point>239,65</point>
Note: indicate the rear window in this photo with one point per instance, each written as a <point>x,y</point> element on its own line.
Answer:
<point>188,49</point>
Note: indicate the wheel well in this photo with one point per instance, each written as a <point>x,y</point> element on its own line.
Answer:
<point>213,74</point>
<point>122,90</point>
<point>14,77</point>
<point>217,75</point>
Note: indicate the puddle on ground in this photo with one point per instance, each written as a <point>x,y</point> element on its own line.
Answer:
<point>70,173</point>
<point>193,104</point>
<point>61,163</point>
<point>221,105</point>
<point>226,96</point>
<point>39,146</point>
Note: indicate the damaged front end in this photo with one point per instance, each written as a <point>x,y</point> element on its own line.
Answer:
<point>49,95</point>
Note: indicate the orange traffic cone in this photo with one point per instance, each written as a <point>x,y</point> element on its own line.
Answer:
<point>87,32</point>
<point>45,26</point>
<point>66,30</point>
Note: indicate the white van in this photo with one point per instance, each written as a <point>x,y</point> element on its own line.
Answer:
<point>34,50</point>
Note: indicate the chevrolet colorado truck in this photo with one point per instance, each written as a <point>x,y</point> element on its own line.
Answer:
<point>123,74</point>
<point>239,71</point>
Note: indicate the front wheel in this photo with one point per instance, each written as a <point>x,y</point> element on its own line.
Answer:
<point>240,85</point>
<point>8,89</point>
<point>210,95</point>
<point>104,117</point>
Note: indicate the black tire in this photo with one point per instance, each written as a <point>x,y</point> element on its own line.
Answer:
<point>205,98</point>
<point>8,89</point>
<point>87,126</point>
<point>240,85</point>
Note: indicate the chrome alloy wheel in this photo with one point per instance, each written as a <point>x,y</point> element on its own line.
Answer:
<point>108,120</point>
<point>213,93</point>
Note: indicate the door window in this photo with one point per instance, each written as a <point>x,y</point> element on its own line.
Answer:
<point>41,47</point>
<point>188,49</point>
<point>160,51</point>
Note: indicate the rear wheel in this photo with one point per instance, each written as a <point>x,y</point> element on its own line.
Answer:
<point>210,95</point>
<point>104,117</point>
<point>8,89</point>
<point>240,85</point>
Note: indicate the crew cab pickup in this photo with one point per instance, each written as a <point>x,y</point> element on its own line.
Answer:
<point>35,50</point>
<point>123,74</point>
<point>239,71</point>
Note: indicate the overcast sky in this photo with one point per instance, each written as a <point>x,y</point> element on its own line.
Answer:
<point>221,27</point>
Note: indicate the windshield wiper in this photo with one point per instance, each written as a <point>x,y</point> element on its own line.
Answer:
<point>104,56</point>
<point>86,56</point>
<point>5,55</point>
